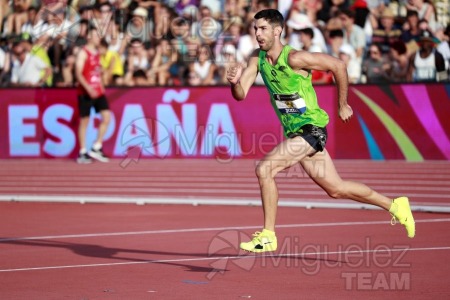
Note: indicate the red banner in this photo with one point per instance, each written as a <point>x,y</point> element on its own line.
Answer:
<point>390,122</point>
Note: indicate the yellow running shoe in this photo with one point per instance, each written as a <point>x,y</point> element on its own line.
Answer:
<point>261,242</point>
<point>401,211</point>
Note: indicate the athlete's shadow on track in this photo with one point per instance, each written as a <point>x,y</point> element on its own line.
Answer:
<point>97,251</point>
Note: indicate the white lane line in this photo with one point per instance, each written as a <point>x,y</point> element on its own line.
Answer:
<point>217,258</point>
<point>184,230</point>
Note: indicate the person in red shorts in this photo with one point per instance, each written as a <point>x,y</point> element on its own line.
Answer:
<point>91,93</point>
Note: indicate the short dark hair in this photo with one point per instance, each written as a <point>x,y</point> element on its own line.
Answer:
<point>411,13</point>
<point>399,46</point>
<point>139,74</point>
<point>136,40</point>
<point>273,16</point>
<point>348,12</point>
<point>336,33</point>
<point>308,31</point>
<point>104,43</point>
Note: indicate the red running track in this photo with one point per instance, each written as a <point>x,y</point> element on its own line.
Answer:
<point>126,251</point>
<point>173,181</point>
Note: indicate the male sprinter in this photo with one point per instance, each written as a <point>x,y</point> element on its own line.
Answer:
<point>287,76</point>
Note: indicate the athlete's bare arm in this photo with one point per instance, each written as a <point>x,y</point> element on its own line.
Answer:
<point>303,60</point>
<point>242,79</point>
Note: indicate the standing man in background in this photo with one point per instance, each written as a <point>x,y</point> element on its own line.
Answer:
<point>91,93</point>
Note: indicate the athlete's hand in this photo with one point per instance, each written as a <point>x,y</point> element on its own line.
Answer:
<point>345,112</point>
<point>234,73</point>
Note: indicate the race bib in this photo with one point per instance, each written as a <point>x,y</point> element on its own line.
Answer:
<point>290,104</point>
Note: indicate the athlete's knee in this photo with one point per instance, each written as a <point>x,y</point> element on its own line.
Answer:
<point>337,192</point>
<point>106,117</point>
<point>263,170</point>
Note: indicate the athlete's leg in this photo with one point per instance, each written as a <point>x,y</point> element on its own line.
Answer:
<point>106,117</point>
<point>286,154</point>
<point>321,169</point>
<point>82,127</point>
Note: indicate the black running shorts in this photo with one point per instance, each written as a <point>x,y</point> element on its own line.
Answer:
<point>85,103</point>
<point>314,135</point>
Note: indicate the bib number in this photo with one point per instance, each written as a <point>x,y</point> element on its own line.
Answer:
<point>290,104</point>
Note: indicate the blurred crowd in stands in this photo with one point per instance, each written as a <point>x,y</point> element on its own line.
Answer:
<point>191,42</point>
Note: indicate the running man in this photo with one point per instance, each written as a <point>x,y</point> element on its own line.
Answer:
<point>287,76</point>
<point>91,93</point>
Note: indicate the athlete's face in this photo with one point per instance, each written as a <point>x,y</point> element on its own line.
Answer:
<point>265,34</point>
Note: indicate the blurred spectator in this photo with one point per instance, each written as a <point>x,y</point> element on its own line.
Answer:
<point>18,17</point>
<point>306,39</point>
<point>233,31</point>
<point>348,55</point>
<point>375,68</point>
<point>214,7</point>
<point>163,20</point>
<point>103,20</point>
<point>361,13</point>
<point>425,10</point>
<point>335,41</point>
<point>67,76</point>
<point>184,60</point>
<point>27,27</point>
<point>376,8</point>
<point>427,64</point>
<point>208,31</point>
<point>117,41</point>
<point>258,5</point>
<point>182,4</point>
<point>439,33</point>
<point>139,26</point>
<point>193,79</point>
<point>330,8</point>
<point>190,13</point>
<point>353,34</point>
<point>311,8</point>
<point>165,57</point>
<point>301,21</point>
<point>139,78</point>
<point>204,66</point>
<point>247,42</point>
<point>387,33</point>
<point>39,51</point>
<point>399,62</point>
<point>27,69</point>
<point>444,46</point>
<point>112,65</point>
<point>137,59</point>
<point>411,31</point>
<point>5,62</point>
<point>180,32</point>
<point>56,35</point>
<point>234,8</point>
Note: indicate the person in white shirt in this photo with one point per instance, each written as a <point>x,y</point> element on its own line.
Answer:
<point>28,70</point>
<point>348,55</point>
<point>427,64</point>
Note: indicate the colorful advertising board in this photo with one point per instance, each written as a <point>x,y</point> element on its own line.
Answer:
<point>408,122</point>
